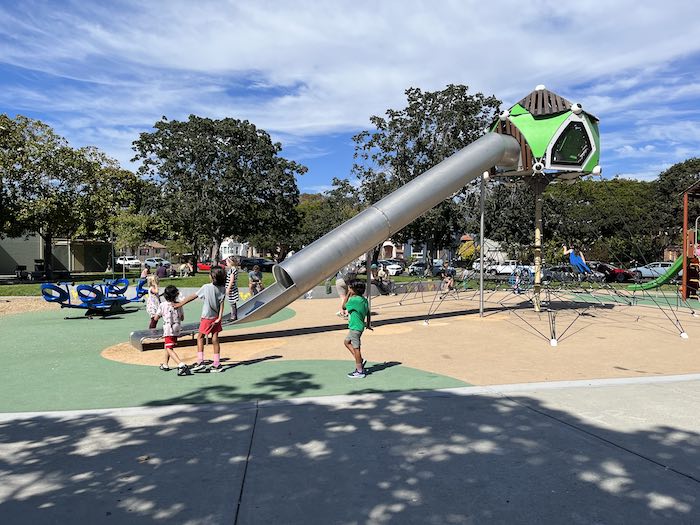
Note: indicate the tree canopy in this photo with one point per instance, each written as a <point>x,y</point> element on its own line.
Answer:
<point>50,188</point>
<point>409,141</point>
<point>219,178</point>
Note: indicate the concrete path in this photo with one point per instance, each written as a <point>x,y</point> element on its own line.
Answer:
<point>610,451</point>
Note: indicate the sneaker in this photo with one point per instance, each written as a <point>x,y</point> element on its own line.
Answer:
<point>213,368</point>
<point>164,368</point>
<point>356,375</point>
<point>183,370</point>
<point>198,367</point>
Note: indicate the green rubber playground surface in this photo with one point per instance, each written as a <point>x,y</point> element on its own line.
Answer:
<point>50,363</point>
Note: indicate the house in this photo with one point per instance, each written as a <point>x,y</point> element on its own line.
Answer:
<point>391,250</point>
<point>152,249</point>
<point>232,247</point>
<point>73,255</point>
<point>420,251</point>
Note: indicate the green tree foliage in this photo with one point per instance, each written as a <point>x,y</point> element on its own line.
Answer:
<point>320,213</point>
<point>608,219</point>
<point>510,214</point>
<point>54,190</point>
<point>177,249</point>
<point>669,188</point>
<point>407,142</point>
<point>130,230</point>
<point>219,178</point>
<point>108,192</point>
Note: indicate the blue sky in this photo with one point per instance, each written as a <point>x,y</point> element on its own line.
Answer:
<point>312,73</point>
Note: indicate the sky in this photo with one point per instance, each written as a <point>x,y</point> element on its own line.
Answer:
<point>313,73</point>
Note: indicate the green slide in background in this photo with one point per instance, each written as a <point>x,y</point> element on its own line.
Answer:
<point>662,279</point>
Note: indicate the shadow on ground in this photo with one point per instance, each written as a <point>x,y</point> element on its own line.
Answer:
<point>378,459</point>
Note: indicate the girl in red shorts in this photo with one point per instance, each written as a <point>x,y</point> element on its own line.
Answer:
<point>212,296</point>
<point>172,320</point>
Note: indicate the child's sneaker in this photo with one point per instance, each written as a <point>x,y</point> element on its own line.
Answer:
<point>183,370</point>
<point>164,368</point>
<point>213,368</point>
<point>356,375</point>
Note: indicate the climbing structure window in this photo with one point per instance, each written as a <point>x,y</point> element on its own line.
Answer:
<point>572,147</point>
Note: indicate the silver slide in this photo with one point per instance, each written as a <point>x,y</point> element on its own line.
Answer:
<point>306,268</point>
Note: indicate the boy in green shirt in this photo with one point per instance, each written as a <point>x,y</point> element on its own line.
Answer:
<point>358,310</point>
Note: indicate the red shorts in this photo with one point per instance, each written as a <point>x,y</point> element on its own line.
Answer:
<point>208,326</point>
<point>170,341</point>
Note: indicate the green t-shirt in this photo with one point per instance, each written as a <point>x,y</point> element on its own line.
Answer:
<point>357,308</point>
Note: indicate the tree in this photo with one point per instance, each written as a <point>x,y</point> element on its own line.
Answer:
<point>408,142</point>
<point>609,219</point>
<point>54,190</point>
<point>130,230</point>
<point>320,213</point>
<point>108,193</point>
<point>668,198</point>
<point>218,178</point>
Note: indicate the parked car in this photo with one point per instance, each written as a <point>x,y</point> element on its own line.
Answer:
<point>651,270</point>
<point>393,269</point>
<point>400,262</point>
<point>417,268</point>
<point>130,262</point>
<point>206,266</point>
<point>247,263</point>
<point>566,273</point>
<point>612,273</point>
<point>153,262</point>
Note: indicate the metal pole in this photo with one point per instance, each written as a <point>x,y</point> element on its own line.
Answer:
<point>368,264</point>
<point>484,176</point>
<point>538,185</point>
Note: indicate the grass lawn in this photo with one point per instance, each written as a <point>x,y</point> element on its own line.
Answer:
<point>195,281</point>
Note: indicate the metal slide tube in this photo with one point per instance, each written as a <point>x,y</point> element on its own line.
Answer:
<point>374,225</point>
<point>378,222</point>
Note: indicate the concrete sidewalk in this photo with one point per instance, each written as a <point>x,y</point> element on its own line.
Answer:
<point>613,451</point>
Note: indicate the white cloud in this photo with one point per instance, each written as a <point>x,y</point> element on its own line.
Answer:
<point>631,151</point>
<point>303,69</point>
<point>317,188</point>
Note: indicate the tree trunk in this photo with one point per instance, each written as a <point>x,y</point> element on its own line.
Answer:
<point>48,254</point>
<point>429,252</point>
<point>215,250</point>
<point>375,253</point>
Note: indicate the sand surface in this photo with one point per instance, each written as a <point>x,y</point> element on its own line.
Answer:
<point>20,305</point>
<point>510,344</point>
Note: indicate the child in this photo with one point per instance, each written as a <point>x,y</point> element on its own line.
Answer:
<point>213,295</point>
<point>153,299</point>
<point>255,284</point>
<point>358,310</point>
<point>345,275</point>
<point>172,319</point>
<point>232,285</point>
